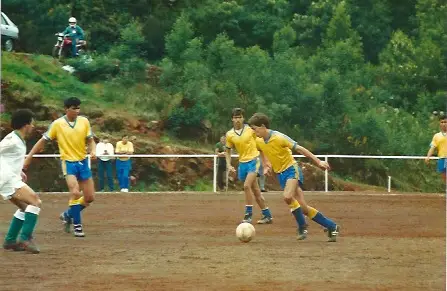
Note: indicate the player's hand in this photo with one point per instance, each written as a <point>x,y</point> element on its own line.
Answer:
<point>427,160</point>
<point>267,171</point>
<point>24,177</point>
<point>26,164</point>
<point>92,156</point>
<point>232,169</point>
<point>324,165</point>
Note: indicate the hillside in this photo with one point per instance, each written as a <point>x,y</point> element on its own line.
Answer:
<point>38,82</point>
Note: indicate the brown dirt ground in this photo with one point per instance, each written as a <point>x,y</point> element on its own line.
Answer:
<point>187,242</point>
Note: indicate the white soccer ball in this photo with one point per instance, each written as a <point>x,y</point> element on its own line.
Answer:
<point>245,232</point>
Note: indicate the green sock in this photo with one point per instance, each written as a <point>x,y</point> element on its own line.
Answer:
<point>31,214</point>
<point>15,226</point>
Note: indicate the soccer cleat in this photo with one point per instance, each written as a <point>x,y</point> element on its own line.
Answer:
<point>332,234</point>
<point>266,220</point>
<point>66,221</point>
<point>28,246</point>
<point>247,218</point>
<point>78,232</point>
<point>302,233</point>
<point>10,245</point>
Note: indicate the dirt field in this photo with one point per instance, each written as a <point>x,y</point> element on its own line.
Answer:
<point>187,242</point>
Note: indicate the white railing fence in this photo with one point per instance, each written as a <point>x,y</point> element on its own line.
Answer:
<point>214,157</point>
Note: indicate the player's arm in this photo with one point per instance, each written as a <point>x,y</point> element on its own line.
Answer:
<point>37,148</point>
<point>91,147</point>
<point>131,150</point>
<point>431,151</point>
<point>265,163</point>
<point>302,150</point>
<point>228,146</point>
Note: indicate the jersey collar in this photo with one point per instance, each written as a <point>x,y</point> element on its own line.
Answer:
<point>68,122</point>
<point>269,136</point>
<point>242,131</point>
<point>18,134</point>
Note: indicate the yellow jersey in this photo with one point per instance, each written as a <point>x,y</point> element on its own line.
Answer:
<point>120,147</point>
<point>440,143</point>
<point>278,150</point>
<point>245,143</point>
<point>71,138</point>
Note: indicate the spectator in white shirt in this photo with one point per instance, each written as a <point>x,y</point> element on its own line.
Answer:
<point>104,149</point>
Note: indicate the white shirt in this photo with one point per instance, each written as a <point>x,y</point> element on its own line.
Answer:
<point>101,148</point>
<point>12,157</point>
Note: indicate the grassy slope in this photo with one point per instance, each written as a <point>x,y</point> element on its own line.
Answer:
<point>42,79</point>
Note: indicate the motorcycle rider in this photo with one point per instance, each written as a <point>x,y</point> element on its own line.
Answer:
<point>76,34</point>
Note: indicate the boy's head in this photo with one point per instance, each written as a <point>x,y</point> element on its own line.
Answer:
<point>260,123</point>
<point>237,116</point>
<point>72,107</point>
<point>23,119</point>
<point>443,122</point>
<point>125,139</point>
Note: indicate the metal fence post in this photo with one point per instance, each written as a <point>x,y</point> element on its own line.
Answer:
<point>215,174</point>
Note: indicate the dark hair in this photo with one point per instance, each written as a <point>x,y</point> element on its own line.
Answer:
<point>125,135</point>
<point>72,101</point>
<point>21,117</point>
<point>237,112</point>
<point>443,116</point>
<point>259,119</point>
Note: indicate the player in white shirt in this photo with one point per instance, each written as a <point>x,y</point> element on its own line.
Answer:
<point>104,149</point>
<point>13,187</point>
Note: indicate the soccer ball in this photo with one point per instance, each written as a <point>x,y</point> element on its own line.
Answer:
<point>245,232</point>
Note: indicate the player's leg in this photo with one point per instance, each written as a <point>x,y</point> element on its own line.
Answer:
<point>266,214</point>
<point>442,169</point>
<point>26,195</point>
<point>126,173</point>
<point>109,175</point>
<point>101,169</point>
<point>261,180</point>
<point>330,226</point>
<point>85,183</point>
<point>242,176</point>
<point>73,213</point>
<point>260,200</point>
<point>220,178</point>
<point>119,173</point>
<point>289,190</point>
<point>10,242</point>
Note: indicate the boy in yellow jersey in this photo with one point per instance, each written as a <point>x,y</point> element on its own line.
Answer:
<point>278,147</point>
<point>13,187</point>
<point>123,164</point>
<point>72,132</point>
<point>242,137</point>
<point>439,142</point>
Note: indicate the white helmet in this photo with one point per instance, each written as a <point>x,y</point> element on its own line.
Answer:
<point>72,20</point>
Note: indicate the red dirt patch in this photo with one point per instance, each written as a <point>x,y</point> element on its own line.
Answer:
<point>187,242</point>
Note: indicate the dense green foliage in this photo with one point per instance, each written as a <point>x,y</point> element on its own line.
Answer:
<point>344,77</point>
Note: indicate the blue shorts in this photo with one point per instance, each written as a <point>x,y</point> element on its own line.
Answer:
<point>292,172</point>
<point>442,163</point>
<point>244,169</point>
<point>79,169</point>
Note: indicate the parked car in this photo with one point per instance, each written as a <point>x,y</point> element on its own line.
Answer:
<point>10,33</point>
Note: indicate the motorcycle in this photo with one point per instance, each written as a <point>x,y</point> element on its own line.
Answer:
<point>62,48</point>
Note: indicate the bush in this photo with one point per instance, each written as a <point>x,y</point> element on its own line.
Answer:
<point>98,67</point>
